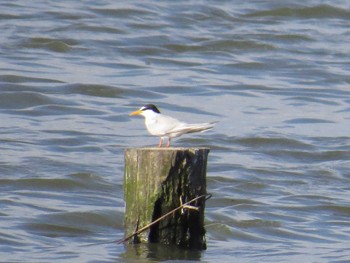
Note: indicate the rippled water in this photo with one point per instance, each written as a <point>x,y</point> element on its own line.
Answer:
<point>275,74</point>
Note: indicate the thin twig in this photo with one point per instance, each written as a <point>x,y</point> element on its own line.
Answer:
<point>207,196</point>
<point>190,207</point>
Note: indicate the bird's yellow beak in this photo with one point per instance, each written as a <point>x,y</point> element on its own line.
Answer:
<point>135,113</point>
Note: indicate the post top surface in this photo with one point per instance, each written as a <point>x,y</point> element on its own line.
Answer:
<point>170,149</point>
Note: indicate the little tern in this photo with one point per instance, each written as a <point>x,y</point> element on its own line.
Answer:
<point>167,127</point>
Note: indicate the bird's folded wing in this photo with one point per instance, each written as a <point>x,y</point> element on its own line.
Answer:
<point>189,128</point>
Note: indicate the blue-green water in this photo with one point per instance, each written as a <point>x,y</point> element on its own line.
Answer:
<point>275,74</point>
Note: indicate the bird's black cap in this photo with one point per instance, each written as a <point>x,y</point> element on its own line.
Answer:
<point>150,107</point>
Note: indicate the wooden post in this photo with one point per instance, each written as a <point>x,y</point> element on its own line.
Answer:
<point>154,181</point>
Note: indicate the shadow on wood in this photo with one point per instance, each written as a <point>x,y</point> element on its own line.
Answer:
<point>156,180</point>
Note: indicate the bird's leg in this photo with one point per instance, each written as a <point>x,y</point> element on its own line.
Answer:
<point>160,142</point>
<point>168,144</point>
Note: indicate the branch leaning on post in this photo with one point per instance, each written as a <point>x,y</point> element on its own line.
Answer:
<point>185,205</point>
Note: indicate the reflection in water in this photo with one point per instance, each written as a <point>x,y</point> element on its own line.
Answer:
<point>158,252</point>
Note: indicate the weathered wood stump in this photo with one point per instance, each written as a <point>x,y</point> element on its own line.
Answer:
<point>155,180</point>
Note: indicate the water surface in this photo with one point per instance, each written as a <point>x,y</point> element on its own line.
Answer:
<point>275,74</point>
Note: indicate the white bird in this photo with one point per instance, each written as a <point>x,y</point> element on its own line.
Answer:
<point>167,127</point>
